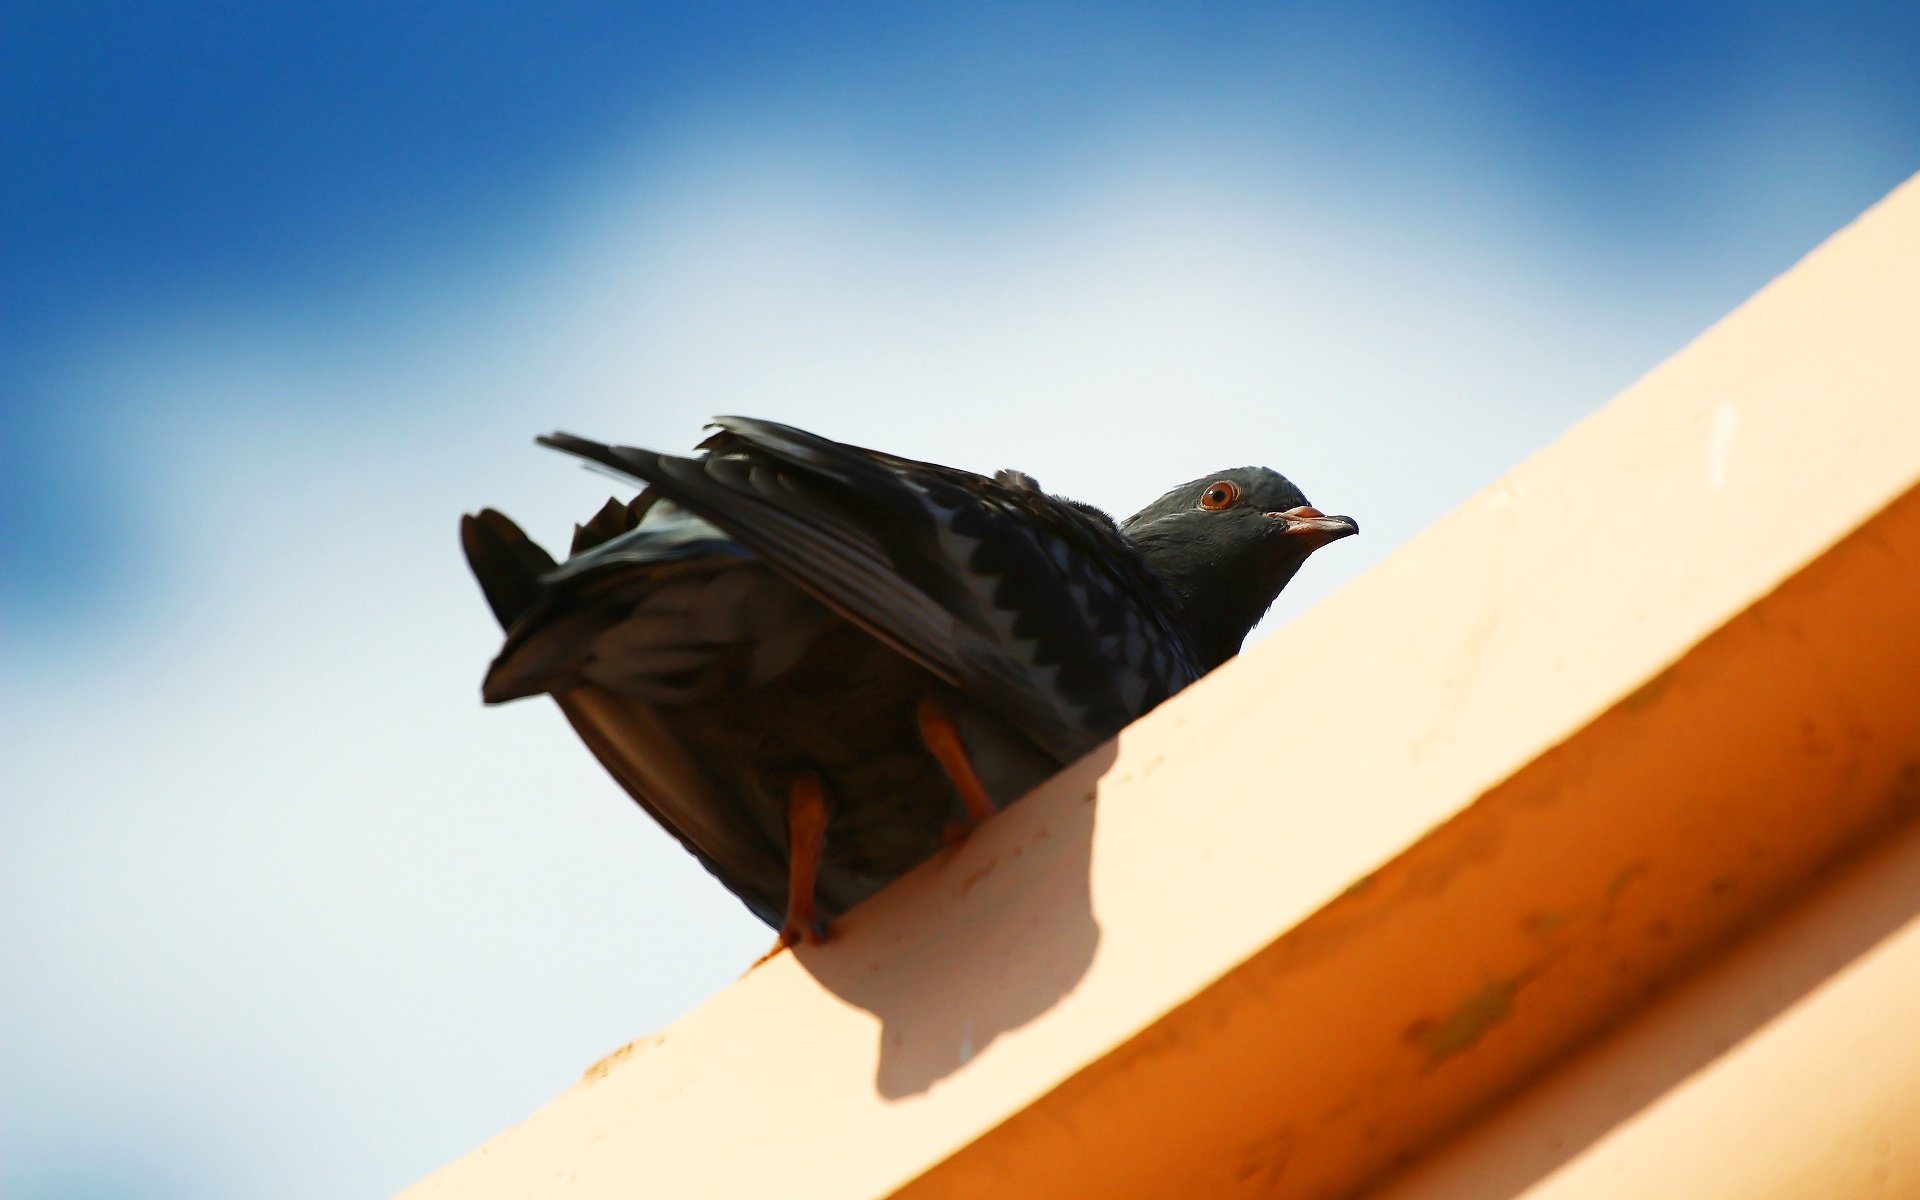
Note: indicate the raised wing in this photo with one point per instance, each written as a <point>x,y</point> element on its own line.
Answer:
<point>1038,607</point>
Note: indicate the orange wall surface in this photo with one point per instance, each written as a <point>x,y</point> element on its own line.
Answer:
<point>1383,903</point>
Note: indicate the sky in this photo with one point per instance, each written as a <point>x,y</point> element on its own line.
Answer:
<point>284,912</point>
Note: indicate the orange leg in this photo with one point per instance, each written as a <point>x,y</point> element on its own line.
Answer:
<point>943,741</point>
<point>806,838</point>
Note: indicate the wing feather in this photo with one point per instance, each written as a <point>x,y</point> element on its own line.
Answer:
<point>626,734</point>
<point>992,585</point>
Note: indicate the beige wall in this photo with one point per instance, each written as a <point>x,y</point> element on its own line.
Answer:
<point>1325,911</point>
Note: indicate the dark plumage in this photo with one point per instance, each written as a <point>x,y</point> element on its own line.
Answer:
<point>776,632</point>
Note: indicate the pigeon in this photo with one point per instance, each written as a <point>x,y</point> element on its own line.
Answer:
<point>816,665</point>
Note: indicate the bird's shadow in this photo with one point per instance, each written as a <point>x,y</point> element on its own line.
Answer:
<point>976,942</point>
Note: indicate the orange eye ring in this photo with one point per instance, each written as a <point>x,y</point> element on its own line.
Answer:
<point>1219,494</point>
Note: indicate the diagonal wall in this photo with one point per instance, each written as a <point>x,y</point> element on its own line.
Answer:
<point>1345,895</point>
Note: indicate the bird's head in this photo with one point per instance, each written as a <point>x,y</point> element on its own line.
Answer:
<point>1227,543</point>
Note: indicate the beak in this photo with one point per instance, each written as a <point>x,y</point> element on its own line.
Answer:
<point>1312,529</point>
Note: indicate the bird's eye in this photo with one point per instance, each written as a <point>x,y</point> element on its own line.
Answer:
<point>1219,495</point>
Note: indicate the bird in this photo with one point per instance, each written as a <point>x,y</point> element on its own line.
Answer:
<point>815,664</point>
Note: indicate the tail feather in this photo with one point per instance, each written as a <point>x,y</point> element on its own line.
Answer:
<point>613,519</point>
<point>506,562</point>
<point>544,656</point>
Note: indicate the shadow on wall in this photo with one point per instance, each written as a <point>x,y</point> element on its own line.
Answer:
<point>934,1016</point>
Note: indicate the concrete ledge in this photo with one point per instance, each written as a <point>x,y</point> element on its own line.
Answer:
<point>1345,894</point>
<point>1788,1069</point>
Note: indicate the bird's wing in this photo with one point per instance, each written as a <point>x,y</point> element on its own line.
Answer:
<point>624,733</point>
<point>1036,606</point>
<point>626,736</point>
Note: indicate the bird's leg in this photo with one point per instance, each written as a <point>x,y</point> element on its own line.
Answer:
<point>943,742</point>
<point>806,838</point>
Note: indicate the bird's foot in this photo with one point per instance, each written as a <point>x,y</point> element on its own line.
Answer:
<point>806,839</point>
<point>942,739</point>
<point>790,936</point>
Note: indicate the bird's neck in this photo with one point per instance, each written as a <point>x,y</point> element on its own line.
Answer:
<point>1220,605</point>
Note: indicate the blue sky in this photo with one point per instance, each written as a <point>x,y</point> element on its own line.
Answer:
<point>163,157</point>
<point>284,291</point>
